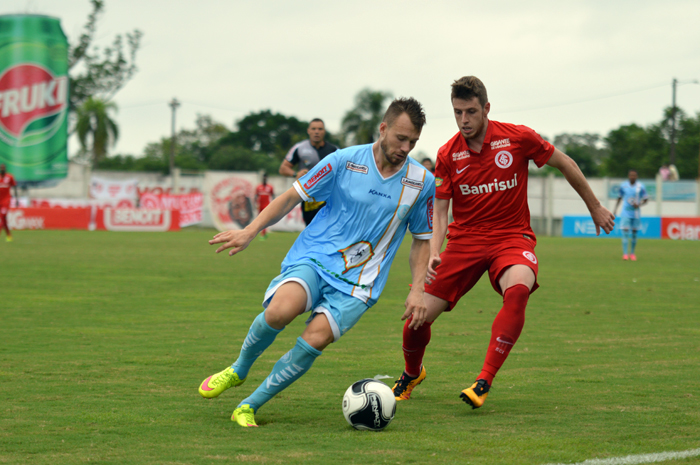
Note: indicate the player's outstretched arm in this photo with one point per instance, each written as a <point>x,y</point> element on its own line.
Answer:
<point>238,239</point>
<point>415,304</point>
<point>440,220</point>
<point>602,217</point>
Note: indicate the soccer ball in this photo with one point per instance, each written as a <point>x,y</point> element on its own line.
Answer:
<point>369,404</point>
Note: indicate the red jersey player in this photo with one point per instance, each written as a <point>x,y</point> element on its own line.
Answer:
<point>263,196</point>
<point>7,181</point>
<point>483,170</point>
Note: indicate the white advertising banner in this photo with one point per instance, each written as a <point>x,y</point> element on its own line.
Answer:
<point>230,198</point>
<point>109,189</point>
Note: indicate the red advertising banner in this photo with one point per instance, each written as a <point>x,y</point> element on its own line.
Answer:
<point>138,219</point>
<point>189,205</point>
<point>91,218</point>
<point>78,203</point>
<point>49,218</point>
<point>681,228</point>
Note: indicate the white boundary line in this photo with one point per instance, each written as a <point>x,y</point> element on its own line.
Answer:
<point>635,459</point>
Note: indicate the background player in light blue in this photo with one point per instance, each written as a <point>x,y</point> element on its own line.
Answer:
<point>632,195</point>
<point>339,264</point>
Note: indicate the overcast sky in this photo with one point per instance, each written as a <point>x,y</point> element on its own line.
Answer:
<point>556,66</point>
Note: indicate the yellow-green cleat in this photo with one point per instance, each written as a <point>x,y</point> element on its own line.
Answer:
<point>244,416</point>
<point>218,383</point>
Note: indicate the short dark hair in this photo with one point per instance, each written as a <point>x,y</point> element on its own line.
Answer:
<point>317,120</point>
<point>411,107</point>
<point>468,87</point>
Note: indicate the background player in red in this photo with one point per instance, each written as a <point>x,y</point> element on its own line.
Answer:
<point>483,170</point>
<point>263,196</point>
<point>7,181</point>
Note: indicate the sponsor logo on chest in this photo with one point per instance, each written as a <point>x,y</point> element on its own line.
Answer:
<point>490,187</point>
<point>380,194</point>
<point>412,183</point>
<point>460,155</point>
<point>350,166</point>
<point>499,144</point>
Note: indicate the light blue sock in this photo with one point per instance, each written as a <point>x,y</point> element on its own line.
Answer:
<point>625,241</point>
<point>260,336</point>
<point>633,242</point>
<point>288,369</point>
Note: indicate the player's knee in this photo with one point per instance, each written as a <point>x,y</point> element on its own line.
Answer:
<point>278,317</point>
<point>517,295</point>
<point>319,333</point>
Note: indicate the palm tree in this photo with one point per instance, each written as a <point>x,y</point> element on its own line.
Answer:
<point>361,124</point>
<point>94,121</point>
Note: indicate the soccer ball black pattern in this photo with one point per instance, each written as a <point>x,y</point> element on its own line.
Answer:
<point>369,405</point>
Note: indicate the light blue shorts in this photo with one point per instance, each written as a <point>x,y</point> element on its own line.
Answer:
<point>635,224</point>
<point>342,310</point>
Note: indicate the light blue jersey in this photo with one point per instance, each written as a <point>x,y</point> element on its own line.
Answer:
<point>354,238</point>
<point>631,192</point>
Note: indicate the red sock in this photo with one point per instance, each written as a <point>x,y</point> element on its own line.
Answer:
<point>414,343</point>
<point>505,330</point>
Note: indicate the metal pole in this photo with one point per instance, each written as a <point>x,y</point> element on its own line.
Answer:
<point>173,104</point>
<point>673,124</point>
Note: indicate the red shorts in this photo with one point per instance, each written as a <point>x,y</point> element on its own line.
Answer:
<point>4,207</point>
<point>464,262</point>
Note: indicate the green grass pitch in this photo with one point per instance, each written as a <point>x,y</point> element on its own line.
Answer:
<point>105,337</point>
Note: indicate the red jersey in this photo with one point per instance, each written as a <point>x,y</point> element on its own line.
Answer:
<point>264,195</point>
<point>6,182</point>
<point>489,189</point>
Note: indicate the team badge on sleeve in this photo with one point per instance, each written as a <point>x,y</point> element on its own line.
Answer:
<point>438,182</point>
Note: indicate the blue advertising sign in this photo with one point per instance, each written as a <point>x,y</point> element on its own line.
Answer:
<point>583,226</point>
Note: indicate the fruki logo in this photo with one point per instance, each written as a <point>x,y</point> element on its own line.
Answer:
<point>33,103</point>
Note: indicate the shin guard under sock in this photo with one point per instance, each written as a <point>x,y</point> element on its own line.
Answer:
<point>260,336</point>
<point>288,369</point>
<point>505,330</point>
<point>414,343</point>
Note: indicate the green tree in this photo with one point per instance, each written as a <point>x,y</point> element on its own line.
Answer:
<point>360,125</point>
<point>193,150</point>
<point>587,150</point>
<point>635,147</point>
<point>100,74</point>
<point>267,132</point>
<point>688,147</point>
<point>234,158</point>
<point>94,124</point>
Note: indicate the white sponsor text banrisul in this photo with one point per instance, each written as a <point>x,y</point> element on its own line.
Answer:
<point>494,186</point>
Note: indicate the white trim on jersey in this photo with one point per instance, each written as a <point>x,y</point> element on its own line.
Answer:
<point>370,270</point>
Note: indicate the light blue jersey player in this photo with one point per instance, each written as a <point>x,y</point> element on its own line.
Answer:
<point>340,263</point>
<point>632,195</point>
